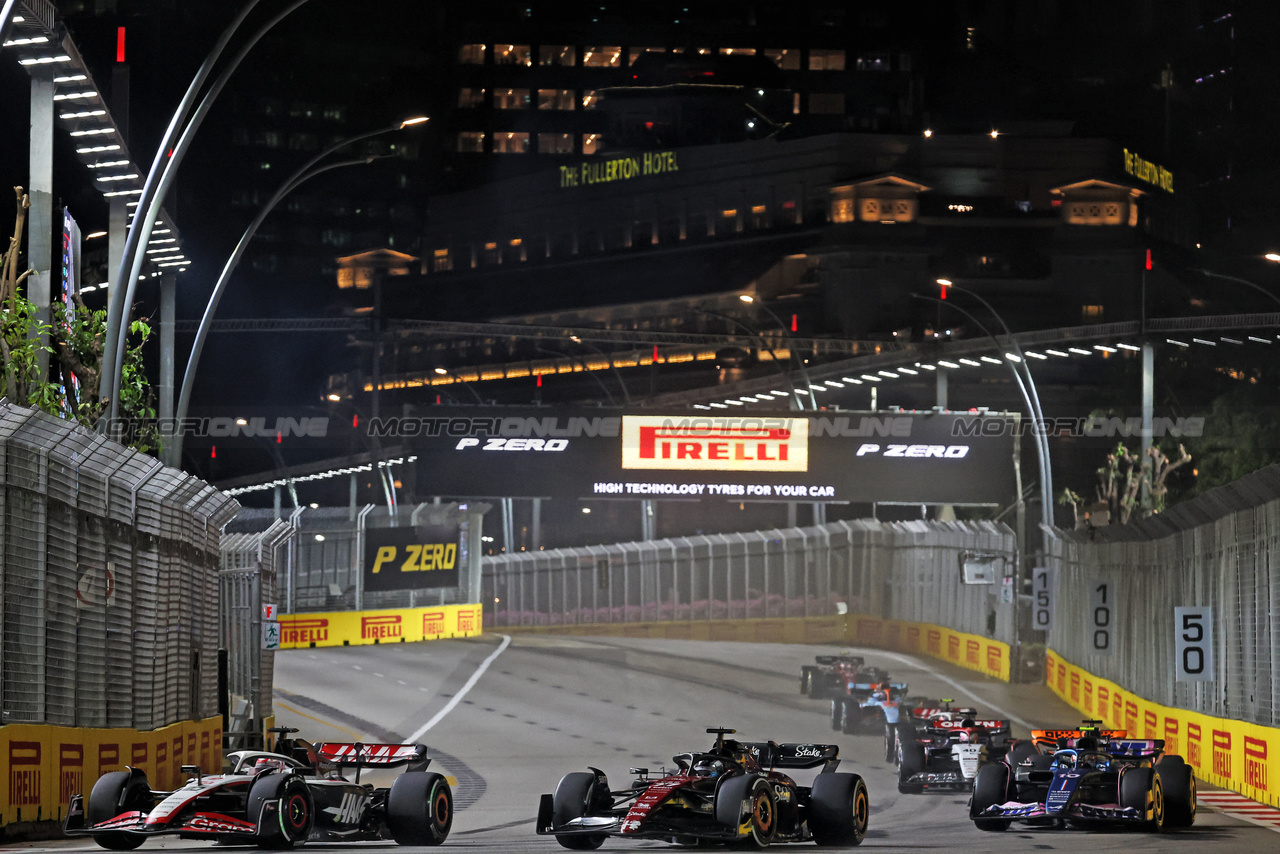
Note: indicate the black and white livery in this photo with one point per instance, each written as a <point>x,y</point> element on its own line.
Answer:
<point>275,799</point>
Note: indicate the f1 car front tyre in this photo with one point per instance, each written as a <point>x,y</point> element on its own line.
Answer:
<point>283,808</point>
<point>890,742</point>
<point>115,793</point>
<point>990,787</point>
<point>1142,789</point>
<point>420,809</point>
<point>911,755</point>
<point>1179,791</point>
<point>838,810</point>
<point>748,801</point>
<point>574,798</point>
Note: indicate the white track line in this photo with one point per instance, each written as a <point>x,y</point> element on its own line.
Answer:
<point>1007,715</point>
<point>457,698</point>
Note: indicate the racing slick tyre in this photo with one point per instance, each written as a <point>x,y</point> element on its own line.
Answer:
<point>990,787</point>
<point>419,809</point>
<point>748,801</point>
<point>574,797</point>
<point>283,808</point>
<point>911,759</point>
<point>1179,791</point>
<point>890,742</point>
<point>806,680</point>
<point>1142,789</point>
<point>837,713</point>
<point>838,810</point>
<point>114,793</point>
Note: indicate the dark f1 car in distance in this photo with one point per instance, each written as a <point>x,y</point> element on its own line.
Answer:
<point>274,799</point>
<point>942,747</point>
<point>735,793</point>
<point>830,674</point>
<point>1089,776</point>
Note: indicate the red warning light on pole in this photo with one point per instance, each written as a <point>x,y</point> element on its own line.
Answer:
<point>795,326</point>
<point>539,380</point>
<point>120,44</point>
<point>213,452</point>
<point>1148,259</point>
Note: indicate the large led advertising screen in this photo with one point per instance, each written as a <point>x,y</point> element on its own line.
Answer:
<point>908,457</point>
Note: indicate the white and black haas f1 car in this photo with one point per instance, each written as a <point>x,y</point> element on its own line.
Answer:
<point>274,799</point>
<point>735,793</point>
<point>943,748</point>
<point>1089,776</point>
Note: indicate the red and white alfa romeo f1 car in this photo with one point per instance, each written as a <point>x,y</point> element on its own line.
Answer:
<point>274,799</point>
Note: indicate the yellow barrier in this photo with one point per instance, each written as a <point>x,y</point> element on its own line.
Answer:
<point>46,765</point>
<point>399,625</point>
<point>973,652</point>
<point>1227,753</point>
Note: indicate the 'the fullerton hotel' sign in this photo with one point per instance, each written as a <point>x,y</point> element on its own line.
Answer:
<point>618,168</point>
<point>1145,170</point>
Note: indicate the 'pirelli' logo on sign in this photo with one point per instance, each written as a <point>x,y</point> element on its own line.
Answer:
<point>715,444</point>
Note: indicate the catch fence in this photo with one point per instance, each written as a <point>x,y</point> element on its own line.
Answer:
<point>897,570</point>
<point>108,580</point>
<point>1221,551</point>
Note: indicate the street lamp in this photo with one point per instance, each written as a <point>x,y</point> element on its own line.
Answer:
<point>804,373</point>
<point>764,343</point>
<point>164,169</point>
<point>308,170</point>
<point>1037,414</point>
<point>1259,288</point>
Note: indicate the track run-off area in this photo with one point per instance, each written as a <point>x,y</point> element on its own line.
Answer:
<point>506,717</point>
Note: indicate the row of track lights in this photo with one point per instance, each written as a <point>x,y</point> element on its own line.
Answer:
<point>955,364</point>
<point>322,475</point>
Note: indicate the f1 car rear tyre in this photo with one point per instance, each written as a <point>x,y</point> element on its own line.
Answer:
<point>1142,789</point>
<point>420,809</point>
<point>990,787</point>
<point>890,742</point>
<point>1179,791</point>
<point>806,679</point>
<point>115,793</point>
<point>838,810</point>
<point>574,797</point>
<point>911,757</point>
<point>821,685</point>
<point>289,824</point>
<point>837,713</point>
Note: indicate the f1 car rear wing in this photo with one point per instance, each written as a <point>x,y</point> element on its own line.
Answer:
<point>924,712</point>
<point>792,755</point>
<point>993,724</point>
<point>359,755</point>
<point>855,660</point>
<point>1055,734</point>
<point>894,688</point>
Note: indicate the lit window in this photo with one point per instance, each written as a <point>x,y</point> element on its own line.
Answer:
<point>512,54</point>
<point>821,59</point>
<point>601,57</point>
<point>786,58</point>
<point>590,142</point>
<point>738,51</point>
<point>1091,312</point>
<point>636,52</point>
<point>470,97</point>
<point>589,99</point>
<point>471,142</point>
<point>557,54</point>
<point>795,103</point>
<point>826,104</point>
<point>555,143</point>
<point>555,99</point>
<point>510,99</point>
<point>441,262</point>
<point>511,143</point>
<point>471,54</point>
<point>730,213</point>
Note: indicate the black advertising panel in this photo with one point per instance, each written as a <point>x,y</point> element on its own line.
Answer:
<point>411,558</point>
<point>907,457</point>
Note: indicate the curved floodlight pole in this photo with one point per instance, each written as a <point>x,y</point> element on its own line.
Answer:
<point>763,342</point>
<point>1046,513</point>
<point>1042,437</point>
<point>583,362</point>
<point>304,173</point>
<point>1259,288</point>
<point>128,272</point>
<point>172,159</point>
<point>462,382</point>
<point>626,393</point>
<point>804,372</point>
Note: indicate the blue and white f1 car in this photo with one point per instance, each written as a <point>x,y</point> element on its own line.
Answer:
<point>1085,776</point>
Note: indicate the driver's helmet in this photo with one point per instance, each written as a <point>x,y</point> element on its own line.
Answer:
<point>880,695</point>
<point>1065,759</point>
<point>968,722</point>
<point>266,763</point>
<point>709,768</point>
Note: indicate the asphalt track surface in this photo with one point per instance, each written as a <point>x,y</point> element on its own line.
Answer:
<point>506,719</point>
